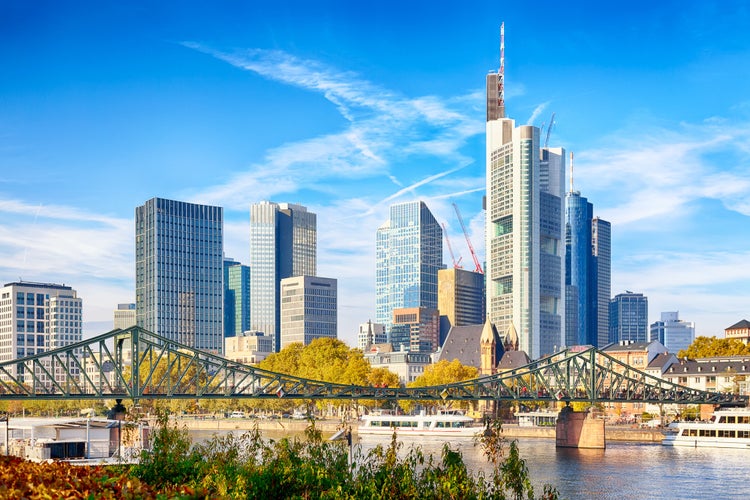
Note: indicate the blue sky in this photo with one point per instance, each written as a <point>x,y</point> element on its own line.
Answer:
<point>348,107</point>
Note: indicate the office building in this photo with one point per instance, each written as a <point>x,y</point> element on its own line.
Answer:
<point>179,272</point>
<point>36,318</point>
<point>415,329</point>
<point>461,296</point>
<point>236,298</point>
<point>672,332</point>
<point>309,306</point>
<point>124,316</point>
<point>248,347</point>
<point>409,253</point>
<point>283,244</point>
<point>370,333</point>
<point>601,247</point>
<point>628,318</point>
<point>524,229</point>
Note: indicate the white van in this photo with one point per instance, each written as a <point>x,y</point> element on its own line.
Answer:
<point>237,414</point>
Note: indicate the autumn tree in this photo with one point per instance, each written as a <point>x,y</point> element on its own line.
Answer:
<point>441,373</point>
<point>707,347</point>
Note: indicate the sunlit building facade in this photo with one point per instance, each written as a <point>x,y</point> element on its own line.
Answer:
<point>309,309</point>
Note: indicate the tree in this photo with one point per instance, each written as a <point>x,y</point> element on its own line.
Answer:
<point>441,373</point>
<point>707,347</point>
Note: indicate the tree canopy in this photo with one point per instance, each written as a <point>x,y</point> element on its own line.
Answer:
<point>707,347</point>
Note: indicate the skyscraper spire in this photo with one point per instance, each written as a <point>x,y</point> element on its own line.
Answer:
<point>571,171</point>
<point>501,74</point>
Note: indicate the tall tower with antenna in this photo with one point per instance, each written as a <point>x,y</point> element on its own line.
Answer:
<point>496,85</point>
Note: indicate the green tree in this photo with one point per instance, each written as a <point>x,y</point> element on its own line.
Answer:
<point>706,347</point>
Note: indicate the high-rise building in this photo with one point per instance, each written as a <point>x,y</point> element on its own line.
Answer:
<point>179,276</point>
<point>415,329</point>
<point>587,272</point>
<point>371,333</point>
<point>672,332</point>
<point>409,253</point>
<point>248,347</point>
<point>125,316</point>
<point>37,317</point>
<point>283,244</point>
<point>628,317</point>
<point>461,296</point>
<point>601,247</point>
<point>524,231</point>
<point>236,298</point>
<point>309,308</point>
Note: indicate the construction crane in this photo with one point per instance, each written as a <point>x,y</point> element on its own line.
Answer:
<point>468,241</point>
<point>456,263</point>
<point>549,130</point>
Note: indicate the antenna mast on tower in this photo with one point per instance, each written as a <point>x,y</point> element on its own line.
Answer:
<point>501,74</point>
<point>571,172</point>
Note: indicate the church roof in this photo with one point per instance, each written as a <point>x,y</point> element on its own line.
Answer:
<point>512,360</point>
<point>463,344</point>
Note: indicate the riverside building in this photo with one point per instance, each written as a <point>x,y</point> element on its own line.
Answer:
<point>179,272</point>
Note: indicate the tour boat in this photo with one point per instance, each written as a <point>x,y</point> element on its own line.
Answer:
<point>729,428</point>
<point>449,423</point>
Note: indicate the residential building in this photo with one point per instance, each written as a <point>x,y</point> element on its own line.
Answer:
<point>524,231</point>
<point>461,296</point>
<point>628,317</point>
<point>407,365</point>
<point>236,298</point>
<point>415,329</point>
<point>36,318</point>
<point>125,316</point>
<point>371,333</point>
<point>409,253</point>
<point>739,331</point>
<point>675,334</point>
<point>283,244</point>
<point>309,307</point>
<point>179,272</point>
<point>601,248</point>
<point>248,347</point>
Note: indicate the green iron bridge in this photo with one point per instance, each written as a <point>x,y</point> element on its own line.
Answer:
<point>136,364</point>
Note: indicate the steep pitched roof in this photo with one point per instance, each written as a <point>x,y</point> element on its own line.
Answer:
<point>462,343</point>
<point>512,360</point>
<point>739,325</point>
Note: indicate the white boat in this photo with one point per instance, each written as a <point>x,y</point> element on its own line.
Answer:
<point>729,428</point>
<point>449,423</point>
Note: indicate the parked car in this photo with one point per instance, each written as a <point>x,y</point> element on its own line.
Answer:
<point>237,414</point>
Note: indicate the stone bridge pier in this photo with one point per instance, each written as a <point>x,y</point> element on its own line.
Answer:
<point>579,429</point>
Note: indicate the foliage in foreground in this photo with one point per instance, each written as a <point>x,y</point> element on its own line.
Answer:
<point>247,466</point>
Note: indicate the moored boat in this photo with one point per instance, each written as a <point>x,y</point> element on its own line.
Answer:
<point>450,423</point>
<point>728,428</point>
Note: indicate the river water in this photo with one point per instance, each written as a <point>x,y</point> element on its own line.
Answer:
<point>623,471</point>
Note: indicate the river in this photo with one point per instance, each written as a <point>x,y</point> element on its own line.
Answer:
<point>623,471</point>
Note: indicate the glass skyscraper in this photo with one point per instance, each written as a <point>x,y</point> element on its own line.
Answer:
<point>408,255</point>
<point>628,317</point>
<point>580,271</point>
<point>601,248</point>
<point>236,298</point>
<point>283,244</point>
<point>179,272</point>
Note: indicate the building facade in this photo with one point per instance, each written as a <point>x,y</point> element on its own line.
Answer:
<point>283,244</point>
<point>124,316</point>
<point>248,347</point>
<point>601,247</point>
<point>628,317</point>
<point>672,332</point>
<point>407,365</point>
<point>524,231</point>
<point>309,308</point>
<point>409,253</point>
<point>370,333</point>
<point>415,329</point>
<point>739,331</point>
<point>236,298</point>
<point>461,296</point>
<point>36,318</point>
<point>179,272</point>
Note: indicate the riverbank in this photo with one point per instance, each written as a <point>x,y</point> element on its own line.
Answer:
<point>613,433</point>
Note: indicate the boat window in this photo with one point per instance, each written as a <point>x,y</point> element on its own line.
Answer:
<point>743,434</point>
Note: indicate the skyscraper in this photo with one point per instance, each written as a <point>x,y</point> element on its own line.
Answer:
<point>179,276</point>
<point>601,248</point>
<point>236,298</point>
<point>628,317</point>
<point>283,244</point>
<point>309,309</point>
<point>524,229</point>
<point>124,316</point>
<point>461,296</point>
<point>409,253</point>
<point>580,272</point>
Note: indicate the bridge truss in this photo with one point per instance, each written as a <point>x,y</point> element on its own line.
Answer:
<point>137,364</point>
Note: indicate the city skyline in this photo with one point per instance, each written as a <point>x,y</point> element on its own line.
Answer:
<point>348,110</point>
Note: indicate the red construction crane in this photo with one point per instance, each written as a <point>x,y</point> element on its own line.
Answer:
<point>450,249</point>
<point>468,242</point>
